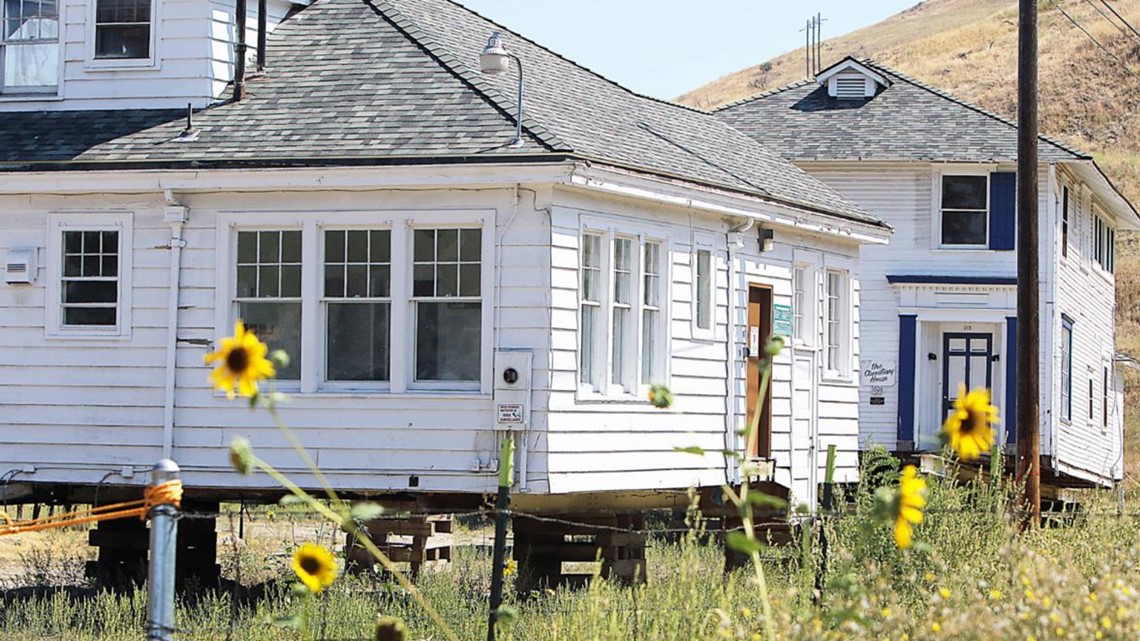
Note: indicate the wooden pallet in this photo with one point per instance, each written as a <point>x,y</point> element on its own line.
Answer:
<point>541,549</point>
<point>413,540</point>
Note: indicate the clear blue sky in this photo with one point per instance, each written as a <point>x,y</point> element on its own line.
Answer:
<point>666,47</point>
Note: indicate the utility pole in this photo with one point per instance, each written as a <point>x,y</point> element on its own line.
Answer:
<point>807,48</point>
<point>818,42</point>
<point>1028,340</point>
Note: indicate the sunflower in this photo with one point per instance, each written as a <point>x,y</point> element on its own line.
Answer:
<point>908,506</point>
<point>315,566</point>
<point>241,363</point>
<point>968,428</point>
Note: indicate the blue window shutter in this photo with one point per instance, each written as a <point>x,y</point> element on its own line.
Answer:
<point>906,381</point>
<point>1011,380</point>
<point>1003,210</point>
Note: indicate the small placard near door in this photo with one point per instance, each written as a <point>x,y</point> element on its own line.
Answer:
<point>782,320</point>
<point>754,342</point>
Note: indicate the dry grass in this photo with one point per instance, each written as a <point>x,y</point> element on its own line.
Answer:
<point>969,48</point>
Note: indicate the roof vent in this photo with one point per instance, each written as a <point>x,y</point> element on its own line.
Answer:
<point>20,266</point>
<point>850,87</point>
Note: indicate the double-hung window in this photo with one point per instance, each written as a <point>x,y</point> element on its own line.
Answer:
<point>965,210</point>
<point>361,306</point>
<point>835,318</point>
<point>1066,369</point>
<point>448,304</point>
<point>88,272</point>
<point>1064,221</point>
<point>621,313</point>
<point>122,29</point>
<point>268,296</point>
<point>703,284</point>
<point>29,47</point>
<point>1104,239</point>
<point>1104,402</point>
<point>357,304</point>
<point>803,294</point>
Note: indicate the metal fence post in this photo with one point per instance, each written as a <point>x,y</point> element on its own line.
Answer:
<point>502,503</point>
<point>163,546</point>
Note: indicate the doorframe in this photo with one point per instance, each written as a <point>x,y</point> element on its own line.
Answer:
<point>759,445</point>
<point>989,337</point>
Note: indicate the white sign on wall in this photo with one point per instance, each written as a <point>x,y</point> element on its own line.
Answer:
<point>877,372</point>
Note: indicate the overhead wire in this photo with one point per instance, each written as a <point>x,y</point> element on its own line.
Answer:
<point>1122,18</point>
<point>1098,43</point>
<point>1105,16</point>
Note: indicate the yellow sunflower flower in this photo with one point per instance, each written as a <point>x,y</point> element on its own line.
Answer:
<point>241,363</point>
<point>315,566</point>
<point>911,500</point>
<point>969,427</point>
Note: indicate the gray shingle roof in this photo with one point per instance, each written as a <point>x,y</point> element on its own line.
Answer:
<point>907,121</point>
<point>398,80</point>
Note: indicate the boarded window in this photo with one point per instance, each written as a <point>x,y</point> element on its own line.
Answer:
<point>122,28</point>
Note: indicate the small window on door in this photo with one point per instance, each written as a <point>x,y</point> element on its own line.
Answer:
<point>835,307</point>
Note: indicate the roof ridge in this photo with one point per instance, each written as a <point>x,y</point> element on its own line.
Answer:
<point>870,62</point>
<point>448,61</point>
<point>581,66</point>
<point>765,94</point>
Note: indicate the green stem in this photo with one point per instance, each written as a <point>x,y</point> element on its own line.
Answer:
<point>761,581</point>
<point>303,453</point>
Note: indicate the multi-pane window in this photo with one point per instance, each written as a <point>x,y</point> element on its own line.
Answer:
<point>358,306</point>
<point>799,301</point>
<point>1104,243</point>
<point>89,287</point>
<point>1098,240</point>
<point>1092,401</point>
<point>1066,370</point>
<point>1064,221</point>
<point>268,295</point>
<point>1104,401</point>
<point>29,46</point>
<point>622,311</point>
<point>965,210</point>
<point>122,28</point>
<point>591,308</point>
<point>704,285</point>
<point>447,297</point>
<point>651,313</point>
<point>835,303</point>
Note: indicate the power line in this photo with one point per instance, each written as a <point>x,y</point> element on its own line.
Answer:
<point>1095,41</point>
<point>1117,14</point>
<point>1105,16</point>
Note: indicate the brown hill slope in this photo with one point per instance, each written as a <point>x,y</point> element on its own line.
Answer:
<point>969,48</point>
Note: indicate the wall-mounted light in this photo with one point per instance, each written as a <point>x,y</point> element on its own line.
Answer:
<point>767,239</point>
<point>932,356</point>
<point>496,59</point>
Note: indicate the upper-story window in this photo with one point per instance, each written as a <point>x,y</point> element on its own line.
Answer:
<point>1064,221</point>
<point>1104,244</point>
<point>965,210</point>
<point>122,29</point>
<point>29,47</point>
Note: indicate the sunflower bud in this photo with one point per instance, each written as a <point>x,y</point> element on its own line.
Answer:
<point>241,455</point>
<point>775,344</point>
<point>390,629</point>
<point>660,396</point>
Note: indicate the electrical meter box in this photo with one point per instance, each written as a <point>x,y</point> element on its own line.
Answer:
<point>512,390</point>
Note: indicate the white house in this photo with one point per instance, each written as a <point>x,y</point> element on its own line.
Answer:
<point>939,303</point>
<point>363,209</point>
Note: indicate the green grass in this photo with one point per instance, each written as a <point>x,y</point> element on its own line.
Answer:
<point>970,576</point>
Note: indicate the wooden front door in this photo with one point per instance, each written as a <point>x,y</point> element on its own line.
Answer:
<point>759,333</point>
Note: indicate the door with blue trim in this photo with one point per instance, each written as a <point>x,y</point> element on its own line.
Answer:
<point>967,358</point>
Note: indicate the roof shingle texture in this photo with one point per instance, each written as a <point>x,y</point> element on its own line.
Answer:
<point>906,121</point>
<point>357,79</point>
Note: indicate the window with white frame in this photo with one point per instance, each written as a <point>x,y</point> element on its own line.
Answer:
<point>1064,221</point>
<point>29,47</point>
<point>448,304</point>
<point>1104,238</point>
<point>590,313</point>
<point>1066,369</point>
<point>122,29</point>
<point>703,283</point>
<point>268,294</point>
<point>621,313</point>
<point>357,304</point>
<point>835,318</point>
<point>802,298</point>
<point>88,271</point>
<point>1104,401</point>
<point>651,354</point>
<point>1098,240</point>
<point>965,210</point>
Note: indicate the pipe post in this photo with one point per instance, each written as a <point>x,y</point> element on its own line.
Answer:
<point>163,550</point>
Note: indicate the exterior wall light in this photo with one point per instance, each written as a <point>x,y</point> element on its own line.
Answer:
<point>767,239</point>
<point>495,60</point>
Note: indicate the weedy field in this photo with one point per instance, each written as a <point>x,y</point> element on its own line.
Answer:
<point>969,575</point>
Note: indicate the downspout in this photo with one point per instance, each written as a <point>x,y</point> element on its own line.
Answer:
<point>239,50</point>
<point>174,215</point>
<point>731,440</point>
<point>521,443</point>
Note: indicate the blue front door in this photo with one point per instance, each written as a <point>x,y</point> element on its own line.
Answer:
<point>966,358</point>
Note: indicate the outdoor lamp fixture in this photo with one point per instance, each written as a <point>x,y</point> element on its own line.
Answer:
<point>495,60</point>
<point>767,239</point>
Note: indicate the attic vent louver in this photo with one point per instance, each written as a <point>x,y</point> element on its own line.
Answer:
<point>19,266</point>
<point>850,87</point>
